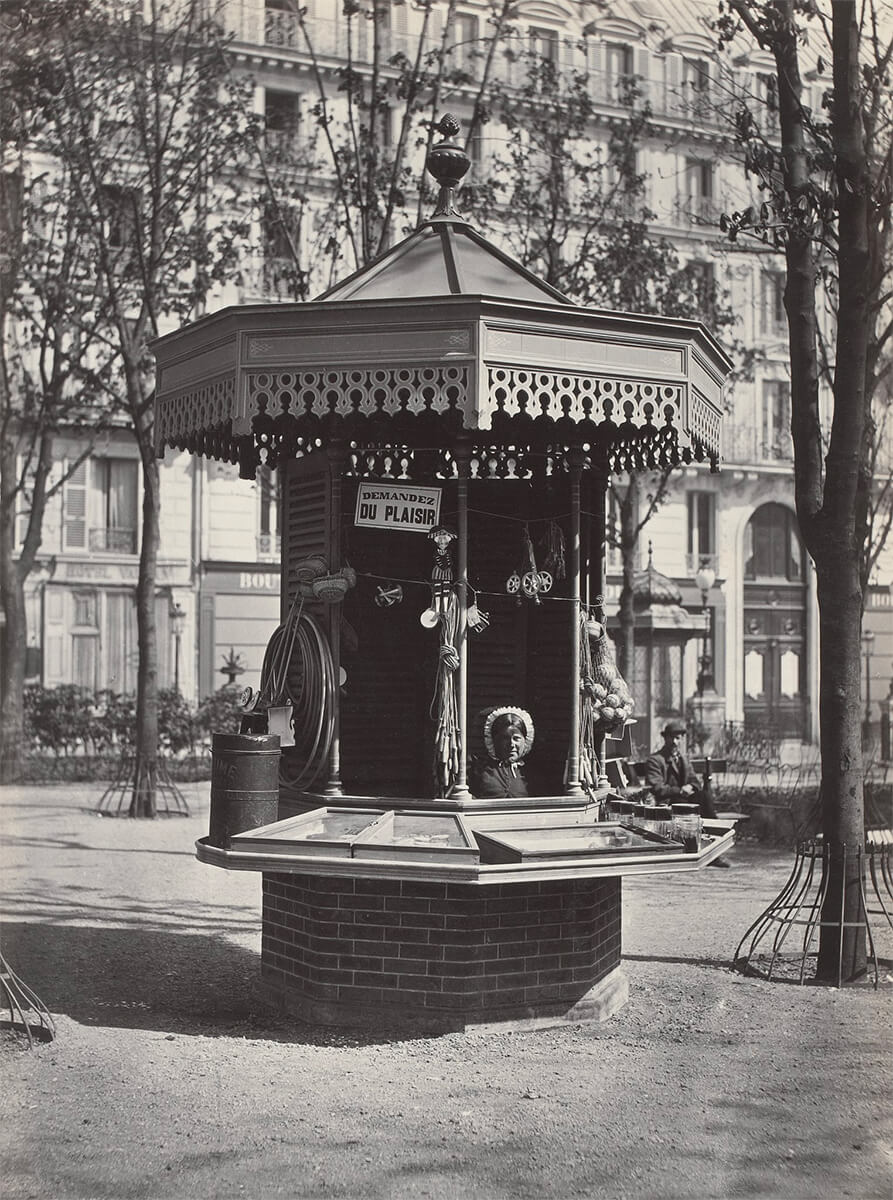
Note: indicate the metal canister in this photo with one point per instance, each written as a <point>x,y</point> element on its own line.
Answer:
<point>662,816</point>
<point>622,810</point>
<point>687,825</point>
<point>244,784</point>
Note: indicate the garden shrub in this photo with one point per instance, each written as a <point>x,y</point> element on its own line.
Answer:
<point>83,733</point>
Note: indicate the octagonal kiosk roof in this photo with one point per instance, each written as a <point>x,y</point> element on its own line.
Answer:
<point>443,334</point>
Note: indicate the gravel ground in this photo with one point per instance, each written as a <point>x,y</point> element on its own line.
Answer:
<point>168,1078</point>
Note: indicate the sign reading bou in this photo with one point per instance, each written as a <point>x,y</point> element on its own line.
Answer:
<point>397,506</point>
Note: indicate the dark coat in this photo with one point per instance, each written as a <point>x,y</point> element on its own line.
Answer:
<point>666,779</point>
<point>497,780</point>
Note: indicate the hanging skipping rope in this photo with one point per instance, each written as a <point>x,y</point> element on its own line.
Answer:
<point>298,670</point>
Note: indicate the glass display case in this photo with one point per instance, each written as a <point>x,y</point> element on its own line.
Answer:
<point>324,831</point>
<point>569,842</point>
<point>366,833</point>
<point>424,837</point>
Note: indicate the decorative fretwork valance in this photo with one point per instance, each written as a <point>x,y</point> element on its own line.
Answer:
<point>261,384</point>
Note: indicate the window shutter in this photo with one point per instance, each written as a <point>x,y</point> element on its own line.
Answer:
<point>434,35</point>
<point>74,516</point>
<point>54,664</point>
<point>673,76</point>
<point>642,69</point>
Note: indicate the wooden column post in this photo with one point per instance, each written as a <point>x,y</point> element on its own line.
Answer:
<point>573,786</point>
<point>337,454</point>
<point>597,576</point>
<point>462,455</point>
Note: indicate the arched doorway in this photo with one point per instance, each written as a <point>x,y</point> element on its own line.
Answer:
<point>774,623</point>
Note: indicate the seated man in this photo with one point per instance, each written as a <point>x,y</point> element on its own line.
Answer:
<point>671,779</point>
<point>508,737</point>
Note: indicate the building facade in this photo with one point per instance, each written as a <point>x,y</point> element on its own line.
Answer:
<point>218,573</point>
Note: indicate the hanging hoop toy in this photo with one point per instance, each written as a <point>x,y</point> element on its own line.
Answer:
<point>533,582</point>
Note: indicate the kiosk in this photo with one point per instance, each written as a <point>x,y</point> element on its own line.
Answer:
<point>444,425</point>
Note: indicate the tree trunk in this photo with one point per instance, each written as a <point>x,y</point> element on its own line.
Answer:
<point>12,665</point>
<point>842,940</point>
<point>143,802</point>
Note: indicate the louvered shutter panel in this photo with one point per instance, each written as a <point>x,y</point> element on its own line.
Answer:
<point>399,39</point>
<point>675,102</point>
<point>435,32</point>
<point>74,514</point>
<point>598,85</point>
<point>306,524</point>
<point>642,69</point>
<point>54,665</point>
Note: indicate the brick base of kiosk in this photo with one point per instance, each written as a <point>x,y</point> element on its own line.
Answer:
<point>435,957</point>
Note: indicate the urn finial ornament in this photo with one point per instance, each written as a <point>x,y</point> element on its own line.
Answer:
<point>447,162</point>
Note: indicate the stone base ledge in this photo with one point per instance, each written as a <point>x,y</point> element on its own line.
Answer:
<point>599,1004</point>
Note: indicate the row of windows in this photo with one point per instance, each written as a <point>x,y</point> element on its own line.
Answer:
<point>283,27</point>
<point>100,510</point>
<point>772,547</point>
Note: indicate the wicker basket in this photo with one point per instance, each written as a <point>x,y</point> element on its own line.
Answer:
<point>331,589</point>
<point>310,569</point>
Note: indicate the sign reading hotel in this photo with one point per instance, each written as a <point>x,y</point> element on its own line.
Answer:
<point>397,506</point>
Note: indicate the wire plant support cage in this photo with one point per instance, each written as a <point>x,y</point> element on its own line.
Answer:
<point>772,950</point>
<point>116,800</point>
<point>22,1002</point>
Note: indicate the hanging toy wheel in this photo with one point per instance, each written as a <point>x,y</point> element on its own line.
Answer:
<point>513,584</point>
<point>545,580</point>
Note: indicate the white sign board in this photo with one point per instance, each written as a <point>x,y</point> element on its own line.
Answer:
<point>398,506</point>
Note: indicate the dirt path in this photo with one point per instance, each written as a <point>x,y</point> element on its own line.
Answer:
<point>168,1079</point>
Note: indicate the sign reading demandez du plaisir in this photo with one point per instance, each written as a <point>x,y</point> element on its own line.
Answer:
<point>397,506</point>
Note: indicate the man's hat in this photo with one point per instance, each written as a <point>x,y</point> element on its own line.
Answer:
<point>675,727</point>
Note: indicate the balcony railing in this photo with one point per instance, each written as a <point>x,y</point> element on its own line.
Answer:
<point>268,279</point>
<point>699,210</point>
<point>752,446</point>
<point>284,145</point>
<point>113,541</point>
<point>250,22</point>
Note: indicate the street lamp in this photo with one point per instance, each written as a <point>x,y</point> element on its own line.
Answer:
<point>178,624</point>
<point>705,578</point>
<point>868,643</point>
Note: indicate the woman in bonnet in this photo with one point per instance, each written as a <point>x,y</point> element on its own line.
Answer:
<point>508,738</point>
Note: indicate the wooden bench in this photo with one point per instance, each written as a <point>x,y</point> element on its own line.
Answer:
<point>625,775</point>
